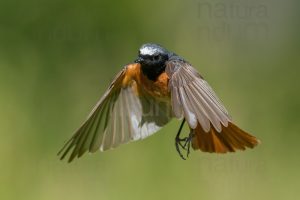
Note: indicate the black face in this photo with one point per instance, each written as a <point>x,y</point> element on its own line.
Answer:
<point>157,59</point>
<point>152,59</point>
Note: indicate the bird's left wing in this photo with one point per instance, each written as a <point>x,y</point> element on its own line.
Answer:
<point>193,98</point>
<point>122,115</point>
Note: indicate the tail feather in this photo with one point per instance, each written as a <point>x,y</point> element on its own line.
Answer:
<point>230,139</point>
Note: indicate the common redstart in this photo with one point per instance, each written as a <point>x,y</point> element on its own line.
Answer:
<point>146,94</point>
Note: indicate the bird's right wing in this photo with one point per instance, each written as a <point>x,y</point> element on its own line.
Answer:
<point>122,115</point>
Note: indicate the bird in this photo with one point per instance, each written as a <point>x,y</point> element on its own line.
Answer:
<point>145,96</point>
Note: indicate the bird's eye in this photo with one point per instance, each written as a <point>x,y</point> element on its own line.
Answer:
<point>156,57</point>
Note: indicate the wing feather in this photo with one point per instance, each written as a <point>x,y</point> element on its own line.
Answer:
<point>122,115</point>
<point>177,107</point>
<point>192,97</point>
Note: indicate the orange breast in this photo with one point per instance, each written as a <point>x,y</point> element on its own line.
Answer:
<point>158,88</point>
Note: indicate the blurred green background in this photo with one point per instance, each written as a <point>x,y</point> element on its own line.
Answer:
<point>58,57</point>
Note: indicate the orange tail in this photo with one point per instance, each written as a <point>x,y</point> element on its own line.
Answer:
<point>231,138</point>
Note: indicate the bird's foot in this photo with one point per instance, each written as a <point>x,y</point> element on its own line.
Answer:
<point>184,144</point>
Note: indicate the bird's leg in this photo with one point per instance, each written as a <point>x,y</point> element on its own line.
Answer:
<point>178,141</point>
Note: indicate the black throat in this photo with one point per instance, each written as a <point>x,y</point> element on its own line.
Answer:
<point>153,71</point>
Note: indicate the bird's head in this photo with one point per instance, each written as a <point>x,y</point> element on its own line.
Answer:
<point>152,55</point>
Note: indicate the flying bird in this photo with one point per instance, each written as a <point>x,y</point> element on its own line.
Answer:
<point>145,95</point>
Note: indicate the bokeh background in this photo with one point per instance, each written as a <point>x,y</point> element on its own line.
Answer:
<point>58,57</point>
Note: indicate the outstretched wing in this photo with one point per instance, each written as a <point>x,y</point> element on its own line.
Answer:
<point>122,115</point>
<point>193,99</point>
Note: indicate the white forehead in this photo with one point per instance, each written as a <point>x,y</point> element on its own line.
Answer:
<point>148,50</point>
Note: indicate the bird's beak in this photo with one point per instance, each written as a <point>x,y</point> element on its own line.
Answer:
<point>139,60</point>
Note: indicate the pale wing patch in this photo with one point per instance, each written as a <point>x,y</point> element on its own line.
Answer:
<point>129,121</point>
